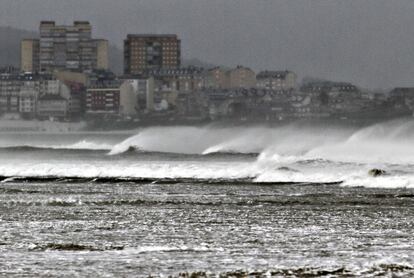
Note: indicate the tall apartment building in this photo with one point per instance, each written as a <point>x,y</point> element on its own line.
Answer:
<point>29,59</point>
<point>149,52</point>
<point>62,47</point>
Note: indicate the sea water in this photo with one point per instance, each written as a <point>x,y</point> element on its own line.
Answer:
<point>293,200</point>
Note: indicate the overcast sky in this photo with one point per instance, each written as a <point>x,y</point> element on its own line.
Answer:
<point>368,42</point>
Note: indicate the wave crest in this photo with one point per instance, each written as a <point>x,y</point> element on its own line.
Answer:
<point>80,145</point>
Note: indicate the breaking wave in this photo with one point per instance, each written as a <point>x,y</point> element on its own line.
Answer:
<point>373,270</point>
<point>237,140</point>
<point>389,142</point>
<point>291,153</point>
<point>192,140</point>
<point>81,145</point>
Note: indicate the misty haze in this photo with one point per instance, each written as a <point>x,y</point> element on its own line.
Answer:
<point>222,138</point>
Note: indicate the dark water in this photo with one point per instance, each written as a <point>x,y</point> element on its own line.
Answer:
<point>61,229</point>
<point>230,202</point>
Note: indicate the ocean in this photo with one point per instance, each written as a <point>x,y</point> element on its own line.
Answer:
<point>297,200</point>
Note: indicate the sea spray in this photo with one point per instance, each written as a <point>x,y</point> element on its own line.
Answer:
<point>296,152</point>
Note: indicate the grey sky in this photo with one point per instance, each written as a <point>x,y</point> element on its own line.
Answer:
<point>369,42</point>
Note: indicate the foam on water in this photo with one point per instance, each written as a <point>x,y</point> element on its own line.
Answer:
<point>152,170</point>
<point>191,140</point>
<point>80,145</point>
<point>296,152</point>
<point>86,145</point>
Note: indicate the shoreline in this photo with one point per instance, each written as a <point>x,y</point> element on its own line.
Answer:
<point>35,126</point>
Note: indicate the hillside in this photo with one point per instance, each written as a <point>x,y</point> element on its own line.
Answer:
<point>10,45</point>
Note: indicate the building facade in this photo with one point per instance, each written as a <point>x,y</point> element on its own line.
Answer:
<point>101,58</point>
<point>27,95</point>
<point>183,80</point>
<point>28,99</point>
<point>10,85</point>
<point>238,77</point>
<point>276,80</point>
<point>62,47</point>
<point>103,98</point>
<point>241,77</point>
<point>147,52</point>
<point>29,60</point>
<point>217,78</point>
<point>136,97</point>
<point>52,107</point>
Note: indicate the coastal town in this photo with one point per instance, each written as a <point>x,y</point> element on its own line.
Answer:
<point>65,76</point>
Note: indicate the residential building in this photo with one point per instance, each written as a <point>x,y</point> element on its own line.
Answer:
<point>9,70</point>
<point>75,93</point>
<point>402,98</point>
<point>99,76</point>
<point>52,107</point>
<point>136,97</point>
<point>242,77</point>
<point>276,80</point>
<point>10,93</point>
<point>62,47</point>
<point>103,98</point>
<point>239,77</point>
<point>101,56</point>
<point>29,60</point>
<point>28,99</point>
<point>151,51</point>
<point>11,85</point>
<point>402,92</point>
<point>71,76</point>
<point>327,87</point>
<point>20,95</point>
<point>217,78</point>
<point>182,80</point>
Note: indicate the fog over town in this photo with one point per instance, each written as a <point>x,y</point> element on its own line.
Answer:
<point>367,42</point>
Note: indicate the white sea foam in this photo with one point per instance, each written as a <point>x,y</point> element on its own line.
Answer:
<point>108,169</point>
<point>80,145</point>
<point>380,182</point>
<point>290,153</point>
<point>185,140</point>
<point>85,145</point>
<point>196,140</point>
<point>166,248</point>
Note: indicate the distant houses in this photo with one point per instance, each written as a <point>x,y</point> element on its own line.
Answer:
<point>276,80</point>
<point>65,76</point>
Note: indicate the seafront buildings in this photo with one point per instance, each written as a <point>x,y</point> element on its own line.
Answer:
<point>65,76</point>
<point>120,98</point>
<point>185,94</point>
<point>29,55</point>
<point>241,77</point>
<point>144,52</point>
<point>276,80</point>
<point>62,47</point>
<point>238,77</point>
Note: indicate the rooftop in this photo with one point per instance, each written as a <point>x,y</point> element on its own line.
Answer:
<point>151,36</point>
<point>273,74</point>
<point>53,23</point>
<point>175,72</point>
<point>402,90</point>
